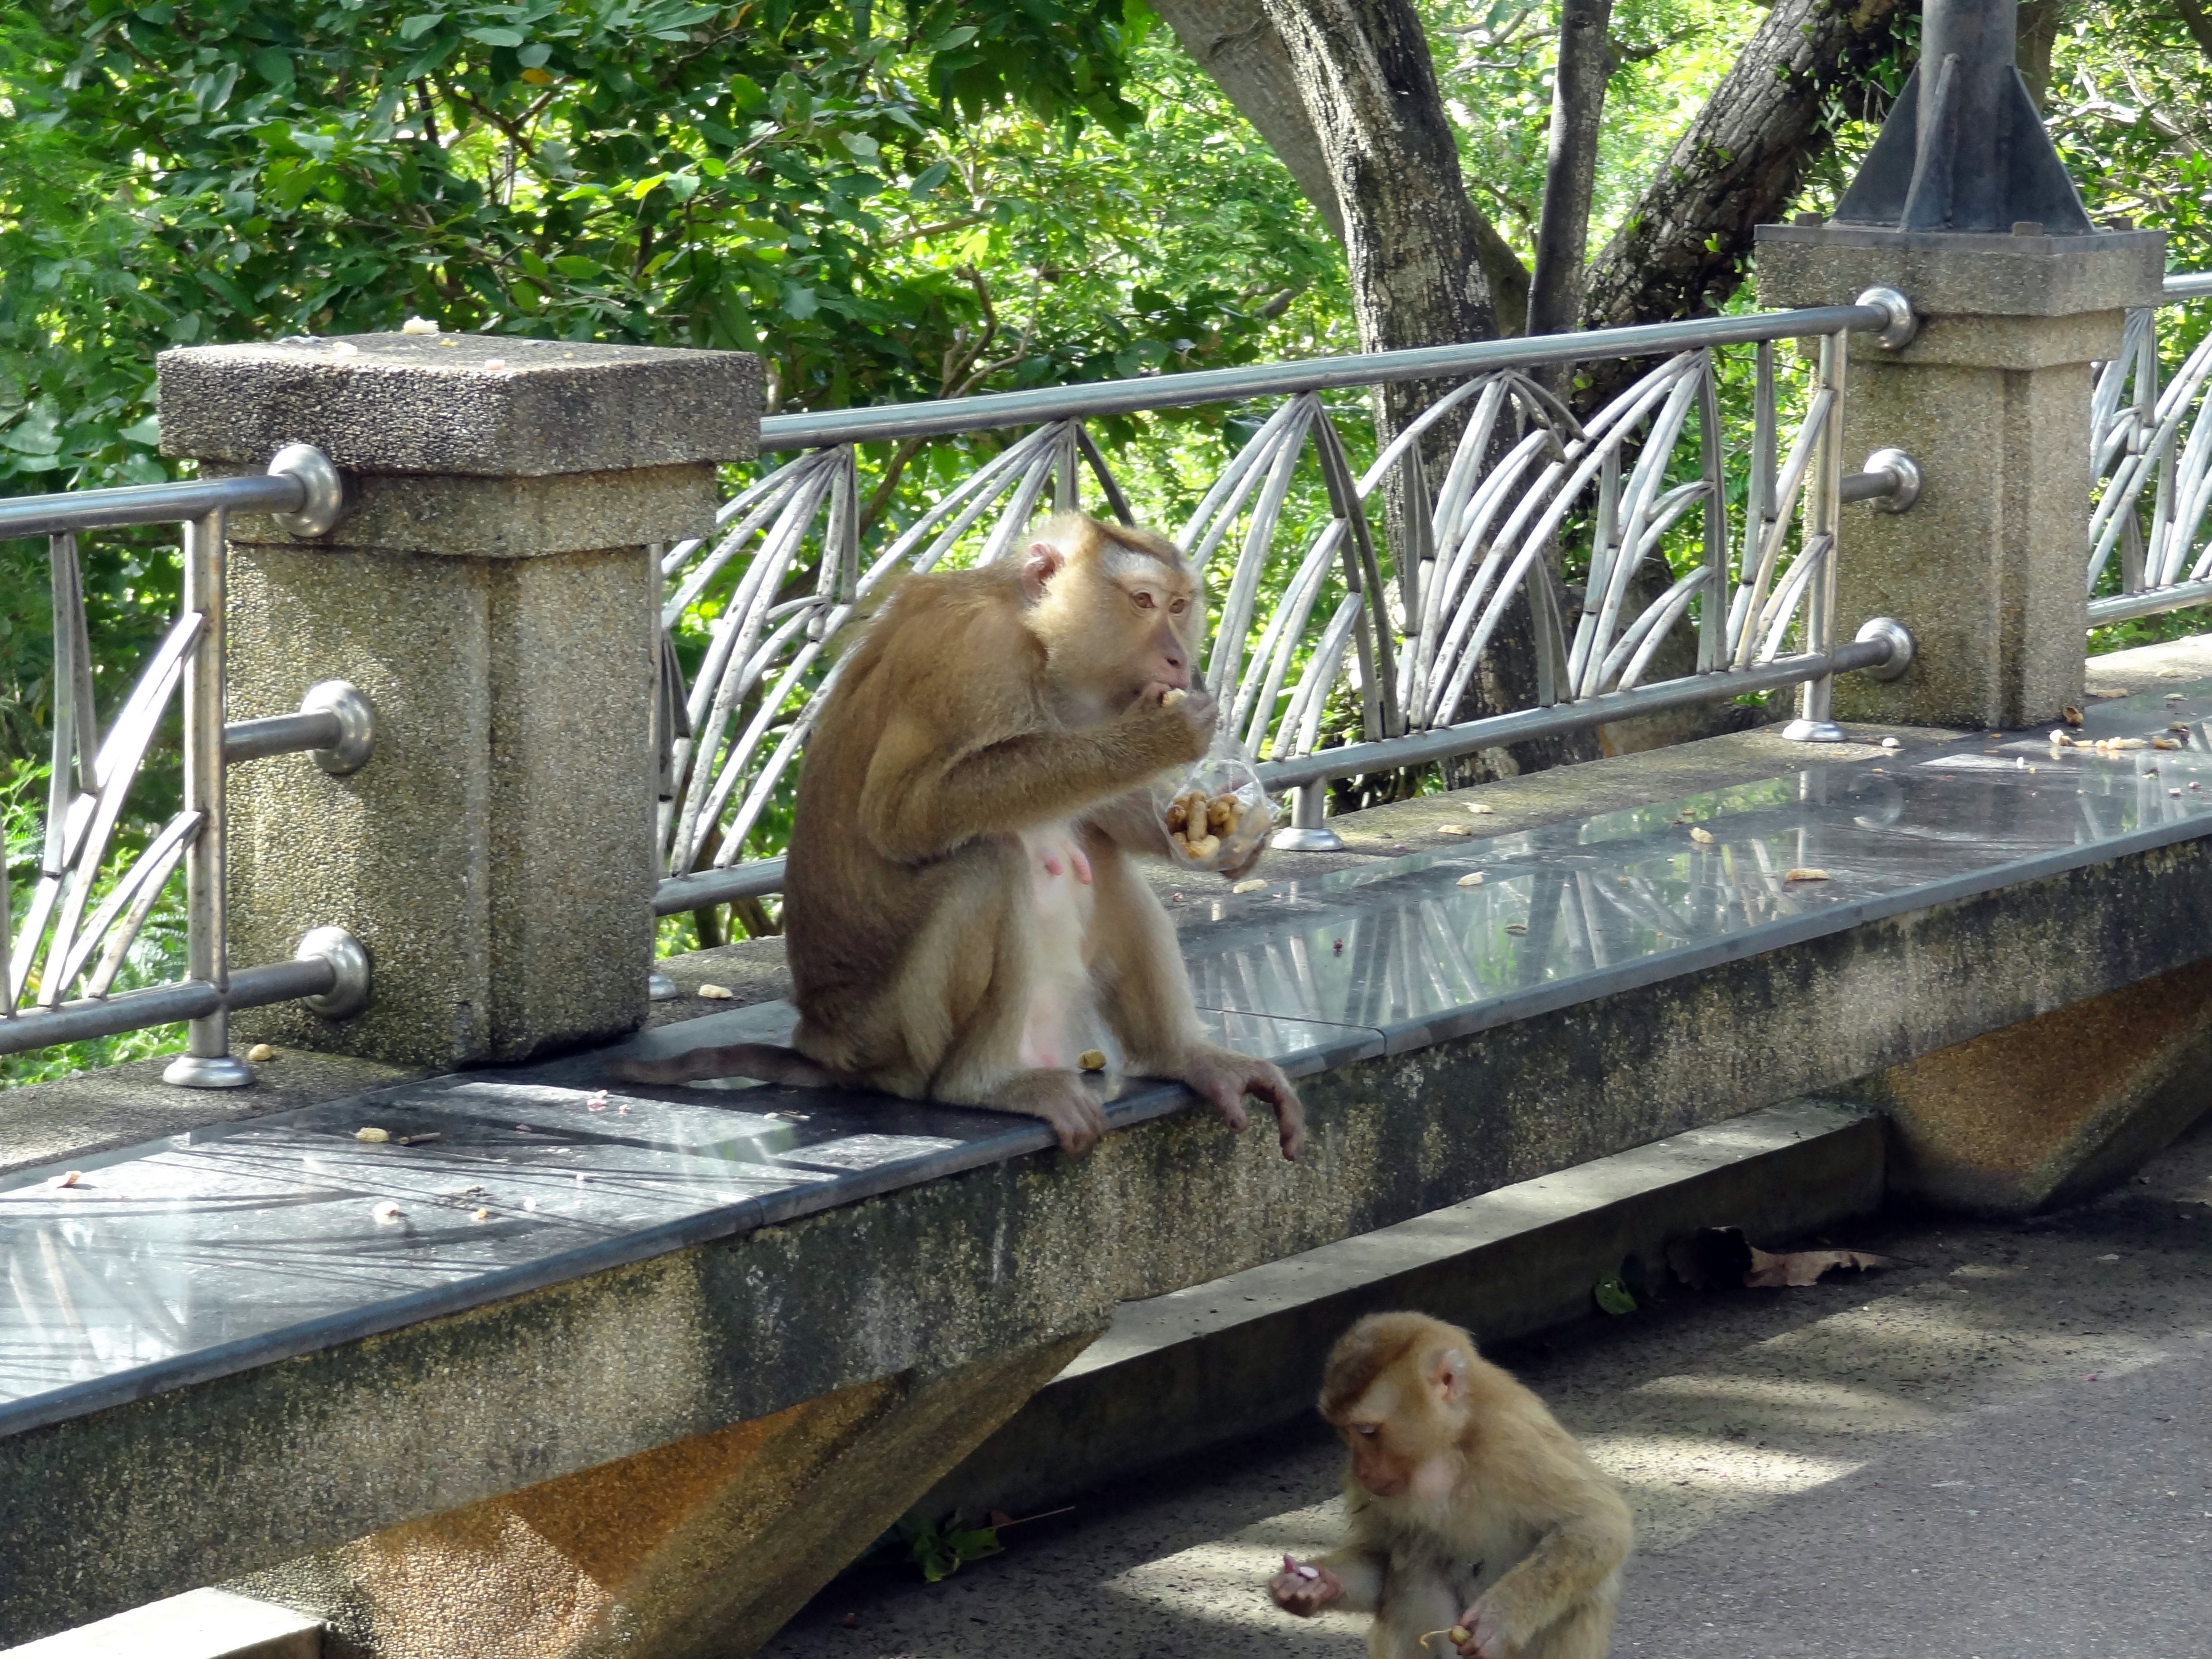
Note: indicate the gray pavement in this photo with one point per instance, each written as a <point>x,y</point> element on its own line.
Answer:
<point>1999,1448</point>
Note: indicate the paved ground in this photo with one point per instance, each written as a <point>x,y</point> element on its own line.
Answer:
<point>2000,1451</point>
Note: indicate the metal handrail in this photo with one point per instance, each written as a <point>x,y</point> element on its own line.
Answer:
<point>1737,651</point>
<point>2151,446</point>
<point>162,503</point>
<point>942,418</point>
<point>90,777</point>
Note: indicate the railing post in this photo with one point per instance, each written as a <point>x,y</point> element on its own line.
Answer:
<point>207,1061</point>
<point>491,594</point>
<point>1815,721</point>
<point>1964,206</point>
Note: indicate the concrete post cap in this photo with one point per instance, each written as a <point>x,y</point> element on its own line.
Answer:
<point>473,404</point>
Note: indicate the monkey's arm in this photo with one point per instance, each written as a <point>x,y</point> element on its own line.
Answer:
<point>920,801</point>
<point>1359,1570</point>
<point>1582,1548</point>
<point>1132,821</point>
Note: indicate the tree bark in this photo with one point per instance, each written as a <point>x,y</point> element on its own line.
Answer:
<point>2039,21</point>
<point>1683,249</point>
<point>1234,42</point>
<point>1364,73</point>
<point>1555,292</point>
<point>1413,242</point>
<point>2198,20</point>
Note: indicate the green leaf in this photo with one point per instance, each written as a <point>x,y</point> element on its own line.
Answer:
<point>496,37</point>
<point>1614,1297</point>
<point>420,24</point>
<point>576,265</point>
<point>534,55</point>
<point>147,432</point>
<point>34,434</point>
<point>929,179</point>
<point>800,303</point>
<point>274,65</point>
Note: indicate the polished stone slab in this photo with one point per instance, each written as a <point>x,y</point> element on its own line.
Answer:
<point>1570,912</point>
<point>235,1245</point>
<point>245,1242</point>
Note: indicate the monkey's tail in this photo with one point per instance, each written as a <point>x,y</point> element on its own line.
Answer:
<point>766,1061</point>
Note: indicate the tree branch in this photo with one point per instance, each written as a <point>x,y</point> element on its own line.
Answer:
<point>1555,294</point>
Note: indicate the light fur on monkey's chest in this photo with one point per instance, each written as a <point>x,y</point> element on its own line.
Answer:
<point>1061,1015</point>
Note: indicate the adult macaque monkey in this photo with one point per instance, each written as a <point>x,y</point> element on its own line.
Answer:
<point>1476,1520</point>
<point>963,923</point>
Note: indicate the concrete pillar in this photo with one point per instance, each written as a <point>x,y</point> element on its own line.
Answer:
<point>489,590</point>
<point>1992,398</point>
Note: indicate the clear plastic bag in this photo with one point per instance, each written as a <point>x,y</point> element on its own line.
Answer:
<point>1216,814</point>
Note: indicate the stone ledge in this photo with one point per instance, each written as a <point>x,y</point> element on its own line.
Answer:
<point>77,1119</point>
<point>489,406</point>
<point>212,1480</point>
<point>1962,275</point>
<point>203,1624</point>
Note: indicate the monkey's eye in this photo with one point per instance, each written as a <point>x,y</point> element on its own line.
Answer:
<point>1144,600</point>
<point>1365,1430</point>
<point>1178,607</point>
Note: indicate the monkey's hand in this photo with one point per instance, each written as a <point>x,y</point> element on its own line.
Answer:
<point>1225,1076</point>
<point>1295,1592</point>
<point>1489,1634</point>
<point>1196,709</point>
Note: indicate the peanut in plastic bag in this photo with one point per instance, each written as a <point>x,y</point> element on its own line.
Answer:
<point>1216,814</point>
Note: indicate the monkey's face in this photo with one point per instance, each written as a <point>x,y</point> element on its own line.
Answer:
<point>1404,1428</point>
<point>1395,1436</point>
<point>1113,625</point>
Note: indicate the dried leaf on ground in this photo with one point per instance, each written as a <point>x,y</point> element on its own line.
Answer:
<point>2071,714</point>
<point>1804,875</point>
<point>1721,1255</point>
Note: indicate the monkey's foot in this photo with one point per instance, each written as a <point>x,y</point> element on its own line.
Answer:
<point>1059,1098</point>
<point>1223,1077</point>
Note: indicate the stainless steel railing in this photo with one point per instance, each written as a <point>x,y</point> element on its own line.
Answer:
<point>2151,446</point>
<point>1308,613</point>
<point>65,942</point>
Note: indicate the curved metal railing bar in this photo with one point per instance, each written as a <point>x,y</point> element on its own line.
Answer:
<point>84,916</point>
<point>1298,612</point>
<point>2150,445</point>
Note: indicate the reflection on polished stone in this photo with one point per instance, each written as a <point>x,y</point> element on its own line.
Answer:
<point>233,1246</point>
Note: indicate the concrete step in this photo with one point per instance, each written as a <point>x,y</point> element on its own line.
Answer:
<point>202,1623</point>
<point>1180,1373</point>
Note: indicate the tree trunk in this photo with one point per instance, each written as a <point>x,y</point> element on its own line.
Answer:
<point>1234,42</point>
<point>1555,293</point>
<point>1363,73</point>
<point>2039,33</point>
<point>1683,248</point>
<point>1413,241</point>
<point>2198,20</point>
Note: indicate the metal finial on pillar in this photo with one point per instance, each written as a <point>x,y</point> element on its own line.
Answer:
<point>1964,148</point>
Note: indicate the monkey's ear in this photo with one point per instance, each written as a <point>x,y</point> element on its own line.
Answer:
<point>1448,1377</point>
<point>1041,565</point>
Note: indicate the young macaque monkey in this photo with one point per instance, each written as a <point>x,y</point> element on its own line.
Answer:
<point>1476,1520</point>
<point>961,916</point>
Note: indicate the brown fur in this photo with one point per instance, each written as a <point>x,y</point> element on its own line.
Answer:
<point>978,707</point>
<point>1469,1505</point>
